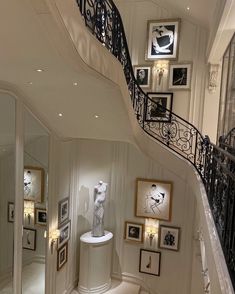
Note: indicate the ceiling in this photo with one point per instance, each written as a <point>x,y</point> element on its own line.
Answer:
<point>28,45</point>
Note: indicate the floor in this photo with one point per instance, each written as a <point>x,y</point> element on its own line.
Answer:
<point>33,280</point>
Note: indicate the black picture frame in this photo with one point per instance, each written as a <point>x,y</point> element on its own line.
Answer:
<point>63,211</point>
<point>158,107</point>
<point>64,234</point>
<point>169,237</point>
<point>29,239</point>
<point>150,262</point>
<point>143,75</point>
<point>62,256</point>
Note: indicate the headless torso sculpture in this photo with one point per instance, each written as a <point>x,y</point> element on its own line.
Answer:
<point>98,217</point>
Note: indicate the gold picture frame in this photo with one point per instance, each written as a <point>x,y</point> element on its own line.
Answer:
<point>153,199</point>
<point>34,183</point>
<point>134,232</point>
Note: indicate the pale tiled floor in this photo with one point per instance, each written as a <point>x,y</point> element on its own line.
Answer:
<point>33,280</point>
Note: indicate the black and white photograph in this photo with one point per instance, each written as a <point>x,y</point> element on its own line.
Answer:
<point>150,262</point>
<point>62,256</point>
<point>143,75</point>
<point>64,234</point>
<point>134,232</point>
<point>157,105</point>
<point>180,76</point>
<point>63,211</point>
<point>163,39</point>
<point>169,237</point>
<point>40,216</point>
<point>29,239</point>
<point>34,183</point>
<point>153,199</point>
<point>10,212</point>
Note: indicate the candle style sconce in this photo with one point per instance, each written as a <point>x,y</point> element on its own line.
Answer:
<point>29,210</point>
<point>53,236</point>
<point>160,68</point>
<point>151,232</point>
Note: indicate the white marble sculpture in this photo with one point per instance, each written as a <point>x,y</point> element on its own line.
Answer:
<point>98,217</point>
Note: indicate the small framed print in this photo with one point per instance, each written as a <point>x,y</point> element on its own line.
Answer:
<point>169,237</point>
<point>34,183</point>
<point>64,234</point>
<point>63,211</point>
<point>134,232</point>
<point>62,256</point>
<point>180,76</point>
<point>163,39</point>
<point>29,239</point>
<point>143,75</point>
<point>10,212</point>
<point>40,216</point>
<point>158,107</point>
<point>150,262</point>
<point>153,199</point>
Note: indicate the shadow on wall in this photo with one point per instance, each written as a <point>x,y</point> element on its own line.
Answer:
<point>83,200</point>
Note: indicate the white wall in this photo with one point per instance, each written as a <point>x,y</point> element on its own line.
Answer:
<point>192,48</point>
<point>82,163</point>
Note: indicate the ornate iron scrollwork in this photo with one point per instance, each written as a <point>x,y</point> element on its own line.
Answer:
<point>215,166</point>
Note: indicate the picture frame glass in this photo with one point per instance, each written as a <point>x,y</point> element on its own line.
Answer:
<point>63,213</point>
<point>153,199</point>
<point>163,39</point>
<point>33,184</point>
<point>150,262</point>
<point>64,234</point>
<point>29,239</point>
<point>133,232</point>
<point>169,238</point>
<point>180,76</point>
<point>143,76</point>
<point>158,107</point>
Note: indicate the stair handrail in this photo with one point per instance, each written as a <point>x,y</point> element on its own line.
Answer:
<point>215,165</point>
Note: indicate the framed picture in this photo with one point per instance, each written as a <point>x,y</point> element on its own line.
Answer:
<point>29,239</point>
<point>163,39</point>
<point>10,212</point>
<point>62,256</point>
<point>169,237</point>
<point>63,211</point>
<point>64,234</point>
<point>150,262</point>
<point>153,199</point>
<point>180,76</point>
<point>143,75</point>
<point>134,232</point>
<point>157,105</point>
<point>40,216</point>
<point>33,183</point>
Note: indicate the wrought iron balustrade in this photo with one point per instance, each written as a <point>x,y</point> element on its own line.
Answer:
<point>227,142</point>
<point>215,166</point>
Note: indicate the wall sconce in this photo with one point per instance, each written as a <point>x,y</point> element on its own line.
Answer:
<point>28,210</point>
<point>54,235</point>
<point>151,231</point>
<point>159,68</point>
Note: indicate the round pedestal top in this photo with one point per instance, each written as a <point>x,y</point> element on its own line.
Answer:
<point>88,238</point>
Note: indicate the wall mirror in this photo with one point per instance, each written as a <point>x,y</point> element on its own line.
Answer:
<point>7,190</point>
<point>36,144</point>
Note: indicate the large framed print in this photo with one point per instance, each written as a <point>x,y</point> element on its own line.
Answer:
<point>33,183</point>
<point>143,75</point>
<point>64,234</point>
<point>158,107</point>
<point>134,232</point>
<point>153,199</point>
<point>180,76</point>
<point>29,239</point>
<point>63,211</point>
<point>169,238</point>
<point>163,39</point>
<point>150,262</point>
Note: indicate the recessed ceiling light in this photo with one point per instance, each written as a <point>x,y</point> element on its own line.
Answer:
<point>39,70</point>
<point>60,114</point>
<point>96,116</point>
<point>188,8</point>
<point>75,83</point>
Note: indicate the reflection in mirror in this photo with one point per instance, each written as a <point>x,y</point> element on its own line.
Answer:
<point>7,190</point>
<point>35,205</point>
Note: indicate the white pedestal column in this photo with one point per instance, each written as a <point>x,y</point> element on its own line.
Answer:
<point>95,263</point>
